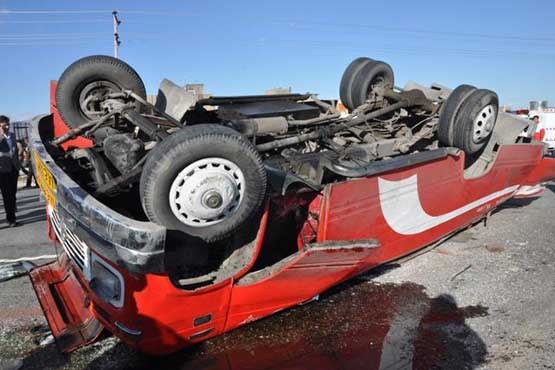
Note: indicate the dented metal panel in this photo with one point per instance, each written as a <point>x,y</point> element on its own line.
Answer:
<point>65,305</point>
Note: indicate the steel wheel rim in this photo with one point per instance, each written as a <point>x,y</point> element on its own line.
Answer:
<point>377,82</point>
<point>483,123</point>
<point>91,96</point>
<point>207,192</point>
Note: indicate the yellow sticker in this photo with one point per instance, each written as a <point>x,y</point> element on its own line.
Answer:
<point>45,180</point>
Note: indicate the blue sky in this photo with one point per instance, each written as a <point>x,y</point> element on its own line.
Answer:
<point>248,47</point>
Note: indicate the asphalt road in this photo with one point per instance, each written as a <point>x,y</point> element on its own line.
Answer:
<point>18,303</point>
<point>485,299</point>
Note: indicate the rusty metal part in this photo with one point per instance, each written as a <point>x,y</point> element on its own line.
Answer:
<point>144,124</point>
<point>100,173</point>
<point>261,126</point>
<point>225,100</point>
<point>129,93</point>
<point>328,131</point>
<point>415,98</point>
<point>123,151</point>
<point>160,121</point>
<point>73,133</point>
<point>119,182</point>
<point>378,167</point>
<point>315,121</point>
<point>116,183</point>
<point>325,106</point>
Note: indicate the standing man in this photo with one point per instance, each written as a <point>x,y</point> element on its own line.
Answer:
<point>9,169</point>
<point>538,131</point>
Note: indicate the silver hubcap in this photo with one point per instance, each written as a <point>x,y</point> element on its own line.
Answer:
<point>483,123</point>
<point>207,192</point>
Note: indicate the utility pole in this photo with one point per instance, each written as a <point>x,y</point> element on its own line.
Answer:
<point>116,22</point>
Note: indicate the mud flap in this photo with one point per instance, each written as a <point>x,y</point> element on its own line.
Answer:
<point>65,304</point>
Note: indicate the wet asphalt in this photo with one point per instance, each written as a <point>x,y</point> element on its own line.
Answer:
<point>484,299</point>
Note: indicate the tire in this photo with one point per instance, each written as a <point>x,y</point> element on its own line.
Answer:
<point>475,121</point>
<point>364,80</point>
<point>174,170</point>
<point>448,112</point>
<point>346,85</point>
<point>104,70</point>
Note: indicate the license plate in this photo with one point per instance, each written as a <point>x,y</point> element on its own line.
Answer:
<point>45,180</point>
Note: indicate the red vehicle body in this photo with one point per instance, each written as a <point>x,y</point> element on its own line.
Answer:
<point>352,226</point>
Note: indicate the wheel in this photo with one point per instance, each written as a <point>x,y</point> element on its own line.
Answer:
<point>448,112</point>
<point>370,76</point>
<point>475,121</point>
<point>85,82</point>
<point>205,180</point>
<point>346,85</point>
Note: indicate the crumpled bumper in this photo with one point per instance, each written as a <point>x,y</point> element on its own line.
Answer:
<point>65,305</point>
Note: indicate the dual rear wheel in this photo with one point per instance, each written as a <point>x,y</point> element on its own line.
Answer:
<point>467,118</point>
<point>361,78</point>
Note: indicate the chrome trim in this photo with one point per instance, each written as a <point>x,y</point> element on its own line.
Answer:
<point>127,330</point>
<point>80,254</point>
<point>75,248</point>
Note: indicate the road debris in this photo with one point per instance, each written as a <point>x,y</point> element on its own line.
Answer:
<point>14,270</point>
<point>460,272</point>
<point>23,259</point>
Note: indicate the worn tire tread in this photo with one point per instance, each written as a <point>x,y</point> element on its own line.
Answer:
<point>448,112</point>
<point>85,69</point>
<point>347,80</point>
<point>364,77</point>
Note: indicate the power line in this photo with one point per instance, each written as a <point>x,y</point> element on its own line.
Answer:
<point>93,11</point>
<point>45,43</point>
<point>56,21</point>
<point>439,52</point>
<point>303,23</point>
<point>7,11</point>
<point>52,36</point>
<point>353,28</point>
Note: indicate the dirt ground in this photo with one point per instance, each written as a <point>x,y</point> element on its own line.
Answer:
<point>484,299</point>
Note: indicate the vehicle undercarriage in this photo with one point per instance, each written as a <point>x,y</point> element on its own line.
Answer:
<point>204,165</point>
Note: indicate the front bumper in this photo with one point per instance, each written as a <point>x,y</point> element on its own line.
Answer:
<point>138,246</point>
<point>66,305</point>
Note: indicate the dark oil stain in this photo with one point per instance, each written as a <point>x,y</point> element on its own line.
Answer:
<point>496,248</point>
<point>442,251</point>
<point>492,248</point>
<point>362,325</point>
<point>357,325</point>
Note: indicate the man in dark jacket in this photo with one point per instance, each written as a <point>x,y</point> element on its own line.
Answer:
<point>9,169</point>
